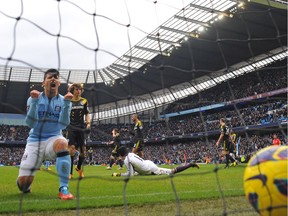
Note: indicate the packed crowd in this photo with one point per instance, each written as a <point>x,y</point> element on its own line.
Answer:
<point>254,113</point>
<point>168,153</point>
<point>269,112</point>
<point>251,84</point>
<point>12,133</point>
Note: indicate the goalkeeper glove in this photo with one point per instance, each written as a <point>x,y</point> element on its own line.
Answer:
<point>116,174</point>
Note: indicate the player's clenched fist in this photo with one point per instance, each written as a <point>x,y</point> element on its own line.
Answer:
<point>116,174</point>
<point>68,96</point>
<point>34,94</point>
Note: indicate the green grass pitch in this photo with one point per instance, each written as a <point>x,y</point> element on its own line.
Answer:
<point>192,192</point>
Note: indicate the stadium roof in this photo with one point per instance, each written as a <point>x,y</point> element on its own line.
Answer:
<point>200,46</point>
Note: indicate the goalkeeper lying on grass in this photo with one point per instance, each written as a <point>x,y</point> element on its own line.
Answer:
<point>135,165</point>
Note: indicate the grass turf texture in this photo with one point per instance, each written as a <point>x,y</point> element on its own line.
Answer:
<point>198,192</point>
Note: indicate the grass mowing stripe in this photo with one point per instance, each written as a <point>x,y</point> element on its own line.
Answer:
<point>116,196</point>
<point>99,189</point>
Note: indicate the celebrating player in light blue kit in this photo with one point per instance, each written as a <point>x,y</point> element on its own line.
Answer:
<point>48,113</point>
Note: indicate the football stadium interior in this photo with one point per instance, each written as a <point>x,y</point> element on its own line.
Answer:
<point>210,60</point>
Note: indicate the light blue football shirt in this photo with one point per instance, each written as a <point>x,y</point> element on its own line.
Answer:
<point>47,117</point>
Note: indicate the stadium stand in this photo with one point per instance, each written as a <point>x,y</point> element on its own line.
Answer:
<point>178,133</point>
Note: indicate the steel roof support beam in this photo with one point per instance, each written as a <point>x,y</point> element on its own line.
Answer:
<point>148,49</point>
<point>175,30</point>
<point>102,77</point>
<point>193,21</point>
<point>125,67</point>
<point>210,10</point>
<point>163,41</point>
<point>68,77</point>
<point>115,72</point>
<point>126,72</point>
<point>87,77</point>
<point>108,74</point>
<point>136,58</point>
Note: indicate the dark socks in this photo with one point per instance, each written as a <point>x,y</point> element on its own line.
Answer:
<point>182,168</point>
<point>227,159</point>
<point>120,163</point>
<point>80,162</point>
<point>71,170</point>
<point>111,163</point>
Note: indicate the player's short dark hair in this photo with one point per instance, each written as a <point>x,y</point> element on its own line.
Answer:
<point>52,71</point>
<point>122,151</point>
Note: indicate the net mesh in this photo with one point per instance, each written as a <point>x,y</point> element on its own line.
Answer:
<point>219,77</point>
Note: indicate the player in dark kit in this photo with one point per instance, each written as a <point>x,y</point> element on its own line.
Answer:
<point>76,133</point>
<point>227,145</point>
<point>90,155</point>
<point>232,152</point>
<point>114,155</point>
<point>137,136</point>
